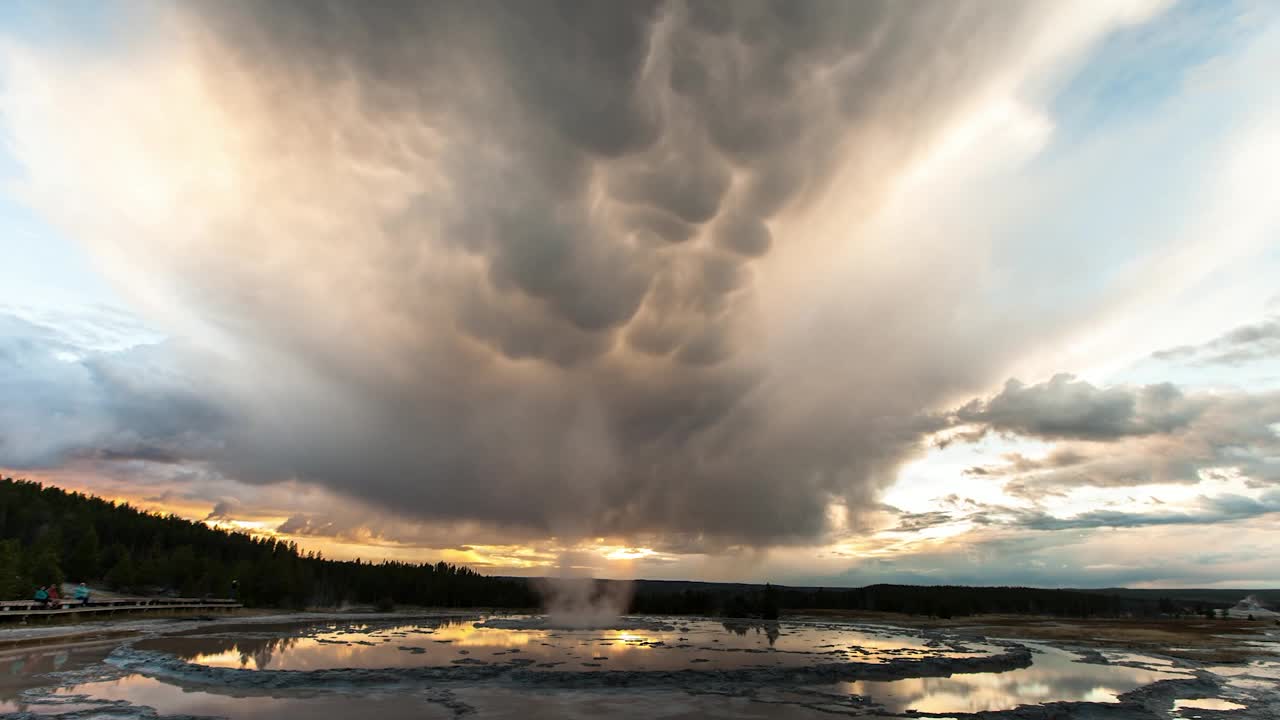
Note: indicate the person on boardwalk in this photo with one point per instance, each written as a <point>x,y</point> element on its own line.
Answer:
<point>55,597</point>
<point>82,594</point>
<point>42,596</point>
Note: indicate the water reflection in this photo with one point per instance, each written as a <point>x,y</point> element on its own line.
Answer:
<point>1054,676</point>
<point>22,670</point>
<point>171,700</point>
<point>468,635</point>
<point>524,641</point>
<point>1181,707</point>
<point>255,653</point>
<point>739,627</point>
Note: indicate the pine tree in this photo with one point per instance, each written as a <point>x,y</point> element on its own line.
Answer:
<point>13,583</point>
<point>770,608</point>
<point>43,568</point>
<point>83,562</point>
<point>123,576</point>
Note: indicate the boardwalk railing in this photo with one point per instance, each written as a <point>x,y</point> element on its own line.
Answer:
<point>25,608</point>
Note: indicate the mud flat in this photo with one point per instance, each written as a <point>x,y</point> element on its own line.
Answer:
<point>1193,638</point>
<point>445,666</point>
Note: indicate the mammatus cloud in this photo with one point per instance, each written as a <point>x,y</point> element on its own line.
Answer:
<point>549,267</point>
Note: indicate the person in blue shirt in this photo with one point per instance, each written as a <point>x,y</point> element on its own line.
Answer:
<point>82,594</point>
<point>42,596</point>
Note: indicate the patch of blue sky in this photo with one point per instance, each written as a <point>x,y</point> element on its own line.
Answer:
<point>1137,69</point>
<point>74,25</point>
<point>43,271</point>
<point>42,267</point>
<point>1251,377</point>
<point>1139,130</point>
<point>1253,277</point>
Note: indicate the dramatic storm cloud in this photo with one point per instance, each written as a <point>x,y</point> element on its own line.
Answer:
<point>535,265</point>
<point>669,280</point>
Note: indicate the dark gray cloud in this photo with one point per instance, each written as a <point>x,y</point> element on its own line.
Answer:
<point>1176,555</point>
<point>1242,345</point>
<point>1067,408</point>
<point>1062,456</point>
<point>1126,436</point>
<point>911,522</point>
<point>1220,509</point>
<point>1204,511</point>
<point>61,401</point>
<point>225,509</point>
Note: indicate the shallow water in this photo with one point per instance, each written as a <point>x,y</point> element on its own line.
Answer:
<point>1055,676</point>
<point>344,660</point>
<point>24,669</point>
<point>106,700</point>
<point>165,699</point>
<point>471,642</point>
<point>1189,709</point>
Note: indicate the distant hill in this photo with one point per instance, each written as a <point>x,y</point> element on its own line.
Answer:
<point>1216,597</point>
<point>710,598</point>
<point>939,601</point>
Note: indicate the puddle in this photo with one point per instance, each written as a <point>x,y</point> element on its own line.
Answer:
<point>474,643</point>
<point>1258,676</point>
<point>108,698</point>
<point>1258,668</point>
<point>1187,708</point>
<point>647,705</point>
<point>24,669</point>
<point>170,700</point>
<point>1135,659</point>
<point>1054,676</point>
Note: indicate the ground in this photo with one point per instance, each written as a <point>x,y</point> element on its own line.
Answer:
<point>1077,669</point>
<point>1191,638</point>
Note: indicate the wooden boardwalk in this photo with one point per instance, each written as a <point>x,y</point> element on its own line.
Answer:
<point>23,609</point>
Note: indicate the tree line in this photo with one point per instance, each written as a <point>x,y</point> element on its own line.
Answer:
<point>49,535</point>
<point>940,601</point>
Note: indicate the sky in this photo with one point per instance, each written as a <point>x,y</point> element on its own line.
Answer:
<point>816,293</point>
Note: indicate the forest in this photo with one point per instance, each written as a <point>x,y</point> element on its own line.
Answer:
<point>49,535</point>
<point>942,601</point>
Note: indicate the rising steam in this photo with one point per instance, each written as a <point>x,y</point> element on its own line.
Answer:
<point>573,599</point>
